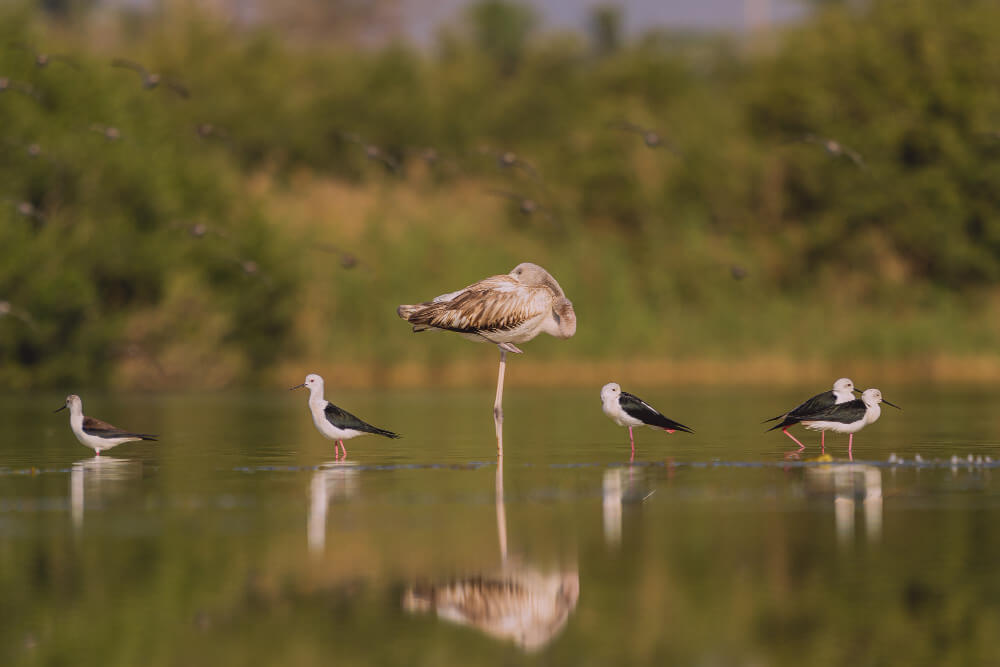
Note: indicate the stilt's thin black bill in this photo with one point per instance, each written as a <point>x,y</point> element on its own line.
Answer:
<point>58,409</point>
<point>298,386</point>
<point>892,404</point>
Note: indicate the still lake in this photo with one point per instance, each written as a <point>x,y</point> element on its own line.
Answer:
<point>238,540</point>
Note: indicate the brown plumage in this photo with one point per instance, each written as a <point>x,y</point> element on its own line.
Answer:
<point>97,427</point>
<point>523,606</point>
<point>502,310</point>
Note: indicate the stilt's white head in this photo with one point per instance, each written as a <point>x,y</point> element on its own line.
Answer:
<point>843,386</point>
<point>314,383</point>
<point>610,390</point>
<point>871,397</point>
<point>74,403</point>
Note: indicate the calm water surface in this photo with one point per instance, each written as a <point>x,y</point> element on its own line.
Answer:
<point>237,540</point>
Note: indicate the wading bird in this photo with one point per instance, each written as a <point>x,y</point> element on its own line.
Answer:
<point>842,392</point>
<point>94,433</point>
<point>847,417</point>
<point>625,409</point>
<point>333,422</point>
<point>503,310</point>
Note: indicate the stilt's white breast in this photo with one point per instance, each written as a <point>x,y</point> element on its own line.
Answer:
<point>836,427</point>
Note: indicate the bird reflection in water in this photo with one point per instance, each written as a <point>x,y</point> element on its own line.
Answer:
<point>97,479</point>
<point>621,486</point>
<point>336,480</point>
<point>848,484</point>
<point>518,603</point>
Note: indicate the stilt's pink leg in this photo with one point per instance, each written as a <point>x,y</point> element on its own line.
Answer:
<point>850,447</point>
<point>343,449</point>
<point>822,442</point>
<point>785,431</point>
<point>631,439</point>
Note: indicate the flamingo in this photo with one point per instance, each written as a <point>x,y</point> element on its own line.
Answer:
<point>503,310</point>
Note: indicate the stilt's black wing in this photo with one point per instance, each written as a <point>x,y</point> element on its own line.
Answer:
<point>816,404</point>
<point>345,420</point>
<point>647,414</point>
<point>844,413</point>
<point>97,428</point>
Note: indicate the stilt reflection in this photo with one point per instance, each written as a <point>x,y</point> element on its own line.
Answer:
<point>96,479</point>
<point>336,480</point>
<point>621,486</point>
<point>848,484</point>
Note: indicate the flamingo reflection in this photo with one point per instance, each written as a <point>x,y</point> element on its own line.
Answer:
<point>518,603</point>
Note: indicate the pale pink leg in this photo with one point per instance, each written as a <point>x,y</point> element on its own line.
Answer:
<point>343,449</point>
<point>631,439</point>
<point>850,447</point>
<point>498,403</point>
<point>801,446</point>
<point>822,442</point>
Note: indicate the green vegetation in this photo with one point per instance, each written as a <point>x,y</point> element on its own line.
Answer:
<point>208,244</point>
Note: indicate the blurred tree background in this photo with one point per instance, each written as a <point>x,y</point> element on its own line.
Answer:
<point>189,199</point>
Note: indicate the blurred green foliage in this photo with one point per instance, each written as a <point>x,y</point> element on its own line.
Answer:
<point>834,181</point>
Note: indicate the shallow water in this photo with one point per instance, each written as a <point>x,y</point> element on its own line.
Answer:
<point>237,539</point>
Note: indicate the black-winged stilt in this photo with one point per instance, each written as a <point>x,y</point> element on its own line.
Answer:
<point>94,433</point>
<point>842,392</point>
<point>628,410</point>
<point>847,417</point>
<point>502,310</point>
<point>333,422</point>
